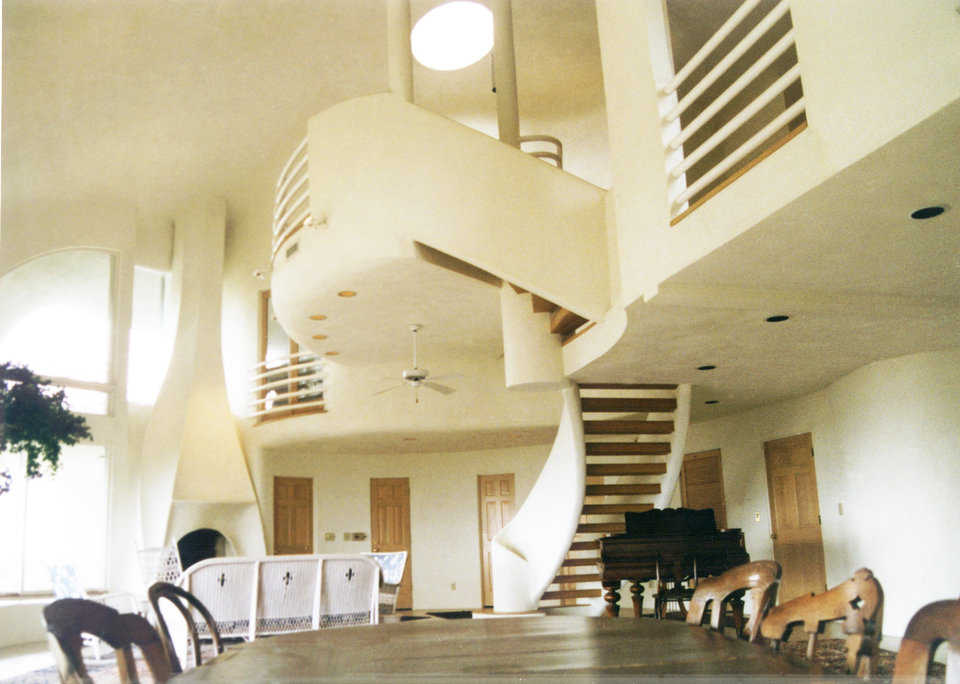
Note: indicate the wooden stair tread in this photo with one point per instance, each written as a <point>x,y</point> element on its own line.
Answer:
<point>625,385</point>
<point>628,404</point>
<point>570,593</point>
<point>590,545</point>
<point>612,509</point>
<point>627,427</point>
<point>615,489</point>
<point>626,469</point>
<point>564,322</point>
<point>627,448</point>
<point>579,562</point>
<point>576,579</point>
<point>602,527</point>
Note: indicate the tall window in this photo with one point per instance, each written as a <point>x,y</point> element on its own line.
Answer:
<point>55,520</point>
<point>151,338</point>
<point>56,316</point>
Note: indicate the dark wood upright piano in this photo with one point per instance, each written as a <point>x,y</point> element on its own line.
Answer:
<point>671,545</point>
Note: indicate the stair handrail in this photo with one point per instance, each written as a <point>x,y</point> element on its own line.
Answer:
<point>529,550</point>
<point>678,440</point>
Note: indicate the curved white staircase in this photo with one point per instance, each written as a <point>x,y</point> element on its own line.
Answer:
<point>626,456</point>
<point>527,552</point>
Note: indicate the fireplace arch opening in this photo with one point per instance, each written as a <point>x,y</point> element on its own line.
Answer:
<point>201,544</point>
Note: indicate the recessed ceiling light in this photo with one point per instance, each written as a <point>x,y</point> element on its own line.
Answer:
<point>927,212</point>
<point>346,293</point>
<point>318,317</point>
<point>706,367</point>
<point>777,319</point>
<point>319,337</point>
<point>712,401</point>
<point>453,35</point>
<point>331,353</point>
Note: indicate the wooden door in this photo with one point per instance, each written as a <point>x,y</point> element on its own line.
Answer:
<point>292,515</point>
<point>701,484</point>
<point>496,493</point>
<point>795,515</point>
<point>390,527</point>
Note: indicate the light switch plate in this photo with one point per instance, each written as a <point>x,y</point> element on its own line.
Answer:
<point>330,536</point>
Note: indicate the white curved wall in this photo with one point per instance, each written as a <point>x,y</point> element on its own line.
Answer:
<point>528,552</point>
<point>385,173</point>
<point>886,442</point>
<point>191,448</point>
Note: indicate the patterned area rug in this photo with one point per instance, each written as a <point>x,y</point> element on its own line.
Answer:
<point>832,655</point>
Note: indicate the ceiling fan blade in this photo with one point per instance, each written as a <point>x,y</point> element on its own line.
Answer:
<point>447,376</point>
<point>387,390</point>
<point>442,389</point>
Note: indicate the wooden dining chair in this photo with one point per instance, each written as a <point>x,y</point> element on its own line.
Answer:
<point>858,601</point>
<point>929,627</point>
<point>760,579</point>
<point>69,619</point>
<point>176,596</point>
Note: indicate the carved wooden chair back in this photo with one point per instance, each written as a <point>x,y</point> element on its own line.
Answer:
<point>174,594</point>
<point>858,601</point>
<point>930,626</point>
<point>760,579</point>
<point>68,619</point>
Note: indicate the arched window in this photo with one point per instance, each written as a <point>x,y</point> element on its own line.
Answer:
<point>56,317</point>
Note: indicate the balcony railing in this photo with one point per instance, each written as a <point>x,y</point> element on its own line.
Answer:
<point>292,204</point>
<point>285,387</point>
<point>737,74</point>
<point>555,154</point>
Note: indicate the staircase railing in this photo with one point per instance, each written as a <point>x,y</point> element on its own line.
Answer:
<point>291,208</point>
<point>286,386</point>
<point>681,421</point>
<point>713,170</point>
<point>528,551</point>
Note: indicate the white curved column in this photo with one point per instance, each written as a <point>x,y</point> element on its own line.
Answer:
<point>528,552</point>
<point>681,421</point>
<point>532,358</point>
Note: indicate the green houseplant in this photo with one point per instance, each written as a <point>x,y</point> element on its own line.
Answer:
<point>35,421</point>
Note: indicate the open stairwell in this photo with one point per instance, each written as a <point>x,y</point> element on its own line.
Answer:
<point>634,436</point>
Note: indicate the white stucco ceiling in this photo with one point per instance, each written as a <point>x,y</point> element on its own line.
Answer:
<point>147,102</point>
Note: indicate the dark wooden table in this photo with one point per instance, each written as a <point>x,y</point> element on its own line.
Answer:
<point>502,648</point>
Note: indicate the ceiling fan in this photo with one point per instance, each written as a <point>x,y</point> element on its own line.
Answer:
<point>417,377</point>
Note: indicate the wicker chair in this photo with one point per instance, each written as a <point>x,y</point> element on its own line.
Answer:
<point>69,619</point>
<point>858,601</point>
<point>760,578</point>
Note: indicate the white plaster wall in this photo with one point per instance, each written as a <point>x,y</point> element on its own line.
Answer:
<point>886,442</point>
<point>522,220</point>
<point>870,71</point>
<point>444,507</point>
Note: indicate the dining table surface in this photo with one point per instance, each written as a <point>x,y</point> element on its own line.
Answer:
<point>573,648</point>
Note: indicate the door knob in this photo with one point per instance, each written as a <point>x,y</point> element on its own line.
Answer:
<point>773,535</point>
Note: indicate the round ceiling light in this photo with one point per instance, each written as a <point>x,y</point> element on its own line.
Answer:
<point>453,35</point>
<point>927,212</point>
<point>706,367</point>
<point>331,353</point>
<point>712,401</point>
<point>346,293</point>
<point>318,317</point>
<point>777,319</point>
<point>319,337</point>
